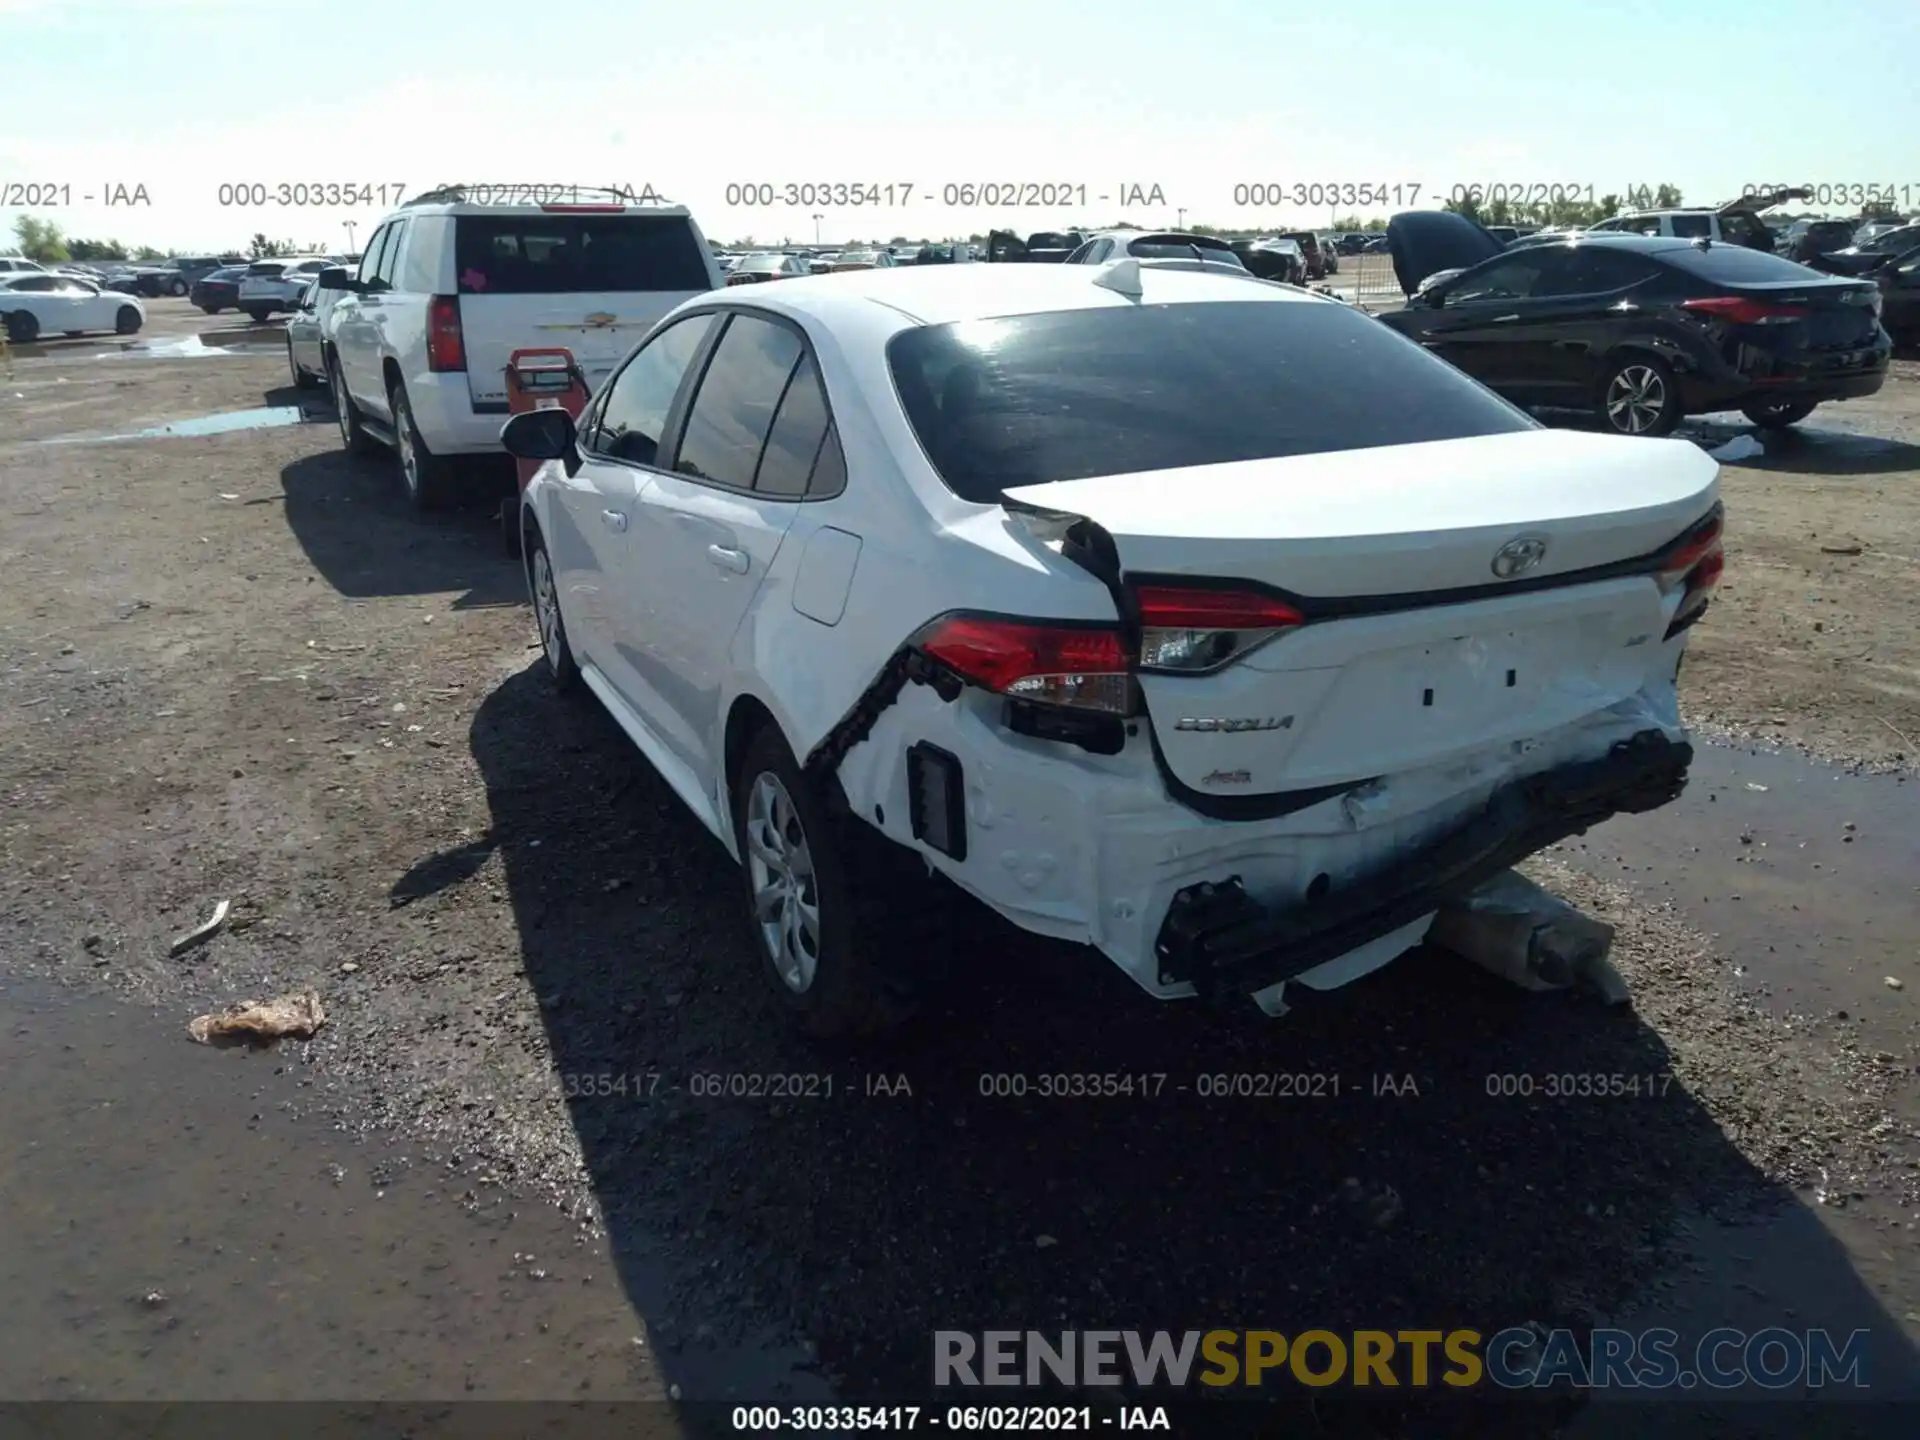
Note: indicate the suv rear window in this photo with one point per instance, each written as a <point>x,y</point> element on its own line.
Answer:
<point>576,254</point>
<point>267,267</point>
<point>1031,399</point>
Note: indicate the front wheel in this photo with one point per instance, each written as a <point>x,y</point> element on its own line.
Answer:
<point>127,321</point>
<point>1778,414</point>
<point>354,435</point>
<point>562,669</point>
<point>846,924</point>
<point>1639,396</point>
<point>177,288</point>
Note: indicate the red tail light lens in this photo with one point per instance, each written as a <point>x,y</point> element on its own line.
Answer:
<point>1693,567</point>
<point>1738,310</point>
<point>1052,663</point>
<point>446,344</point>
<point>1191,631</point>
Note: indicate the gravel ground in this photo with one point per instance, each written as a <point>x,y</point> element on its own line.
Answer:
<point>234,668</point>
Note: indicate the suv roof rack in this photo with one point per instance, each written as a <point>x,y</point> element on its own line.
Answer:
<point>540,194</point>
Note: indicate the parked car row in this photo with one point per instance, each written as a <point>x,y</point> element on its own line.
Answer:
<point>1639,329</point>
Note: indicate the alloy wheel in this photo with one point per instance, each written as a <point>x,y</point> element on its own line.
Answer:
<point>786,897</point>
<point>403,441</point>
<point>546,607</point>
<point>342,405</point>
<point>1636,399</point>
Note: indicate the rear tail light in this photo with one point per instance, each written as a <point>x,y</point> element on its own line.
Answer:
<point>1693,567</point>
<point>1192,631</point>
<point>1086,667</point>
<point>446,344</point>
<point>1738,310</point>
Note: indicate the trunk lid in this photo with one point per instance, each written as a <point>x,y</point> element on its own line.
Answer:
<point>1425,241</point>
<point>1842,314</point>
<point>1416,649</point>
<point>598,328</point>
<point>592,278</point>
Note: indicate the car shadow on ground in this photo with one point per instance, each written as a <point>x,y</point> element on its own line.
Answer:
<point>350,515</point>
<point>1810,448</point>
<point>1375,1178</point>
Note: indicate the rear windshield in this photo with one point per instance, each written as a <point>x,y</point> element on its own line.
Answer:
<point>1047,240</point>
<point>576,254</point>
<point>1181,247</point>
<point>1032,399</point>
<point>1737,265</point>
<point>271,267</point>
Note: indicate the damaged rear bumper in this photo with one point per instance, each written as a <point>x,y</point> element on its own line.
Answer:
<point>1223,942</point>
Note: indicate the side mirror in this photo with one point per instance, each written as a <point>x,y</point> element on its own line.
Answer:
<point>539,435</point>
<point>336,277</point>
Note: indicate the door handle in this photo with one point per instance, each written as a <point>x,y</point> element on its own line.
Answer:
<point>615,519</point>
<point>728,559</point>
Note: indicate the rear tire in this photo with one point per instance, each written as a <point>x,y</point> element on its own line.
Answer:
<point>259,316</point>
<point>849,931</point>
<point>1639,396</point>
<point>354,436</point>
<point>177,289</point>
<point>127,321</point>
<point>428,477</point>
<point>1779,414</point>
<point>22,328</point>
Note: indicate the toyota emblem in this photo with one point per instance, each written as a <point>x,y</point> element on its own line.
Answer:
<point>1519,555</point>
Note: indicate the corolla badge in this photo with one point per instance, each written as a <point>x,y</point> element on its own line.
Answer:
<point>1519,555</point>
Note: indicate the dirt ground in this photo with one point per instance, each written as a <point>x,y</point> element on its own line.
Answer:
<point>235,668</point>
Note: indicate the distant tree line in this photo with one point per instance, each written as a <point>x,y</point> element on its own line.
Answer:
<point>43,241</point>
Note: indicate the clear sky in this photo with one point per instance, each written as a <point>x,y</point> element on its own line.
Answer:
<point>1117,99</point>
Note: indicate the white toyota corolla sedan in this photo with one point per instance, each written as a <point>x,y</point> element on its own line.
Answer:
<point>1202,621</point>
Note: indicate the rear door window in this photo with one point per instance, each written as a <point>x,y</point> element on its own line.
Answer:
<point>793,444</point>
<point>1690,227</point>
<point>1031,399</point>
<point>734,407</point>
<point>577,254</point>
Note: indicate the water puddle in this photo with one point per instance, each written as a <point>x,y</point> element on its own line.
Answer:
<point>268,417</point>
<point>1808,875</point>
<point>175,1224</point>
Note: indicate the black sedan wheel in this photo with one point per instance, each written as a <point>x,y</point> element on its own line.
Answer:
<point>1639,396</point>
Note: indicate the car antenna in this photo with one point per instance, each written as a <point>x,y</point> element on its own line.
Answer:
<point>1122,277</point>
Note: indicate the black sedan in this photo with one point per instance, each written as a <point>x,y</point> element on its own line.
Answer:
<point>218,290</point>
<point>1638,330</point>
<point>1900,287</point>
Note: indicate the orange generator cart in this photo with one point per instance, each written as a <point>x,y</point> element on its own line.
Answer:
<point>539,379</point>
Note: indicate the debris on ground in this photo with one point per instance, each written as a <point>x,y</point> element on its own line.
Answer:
<point>262,1021</point>
<point>1841,549</point>
<point>202,933</point>
<point>1528,936</point>
<point>1740,447</point>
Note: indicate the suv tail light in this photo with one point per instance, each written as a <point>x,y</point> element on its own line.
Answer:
<point>1052,662</point>
<point>446,344</point>
<point>1739,310</point>
<point>1693,567</point>
<point>1191,631</point>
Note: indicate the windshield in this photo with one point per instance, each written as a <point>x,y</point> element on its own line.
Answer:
<point>577,254</point>
<point>1113,390</point>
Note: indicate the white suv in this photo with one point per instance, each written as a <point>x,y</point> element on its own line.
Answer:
<point>1207,622</point>
<point>274,287</point>
<point>449,288</point>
